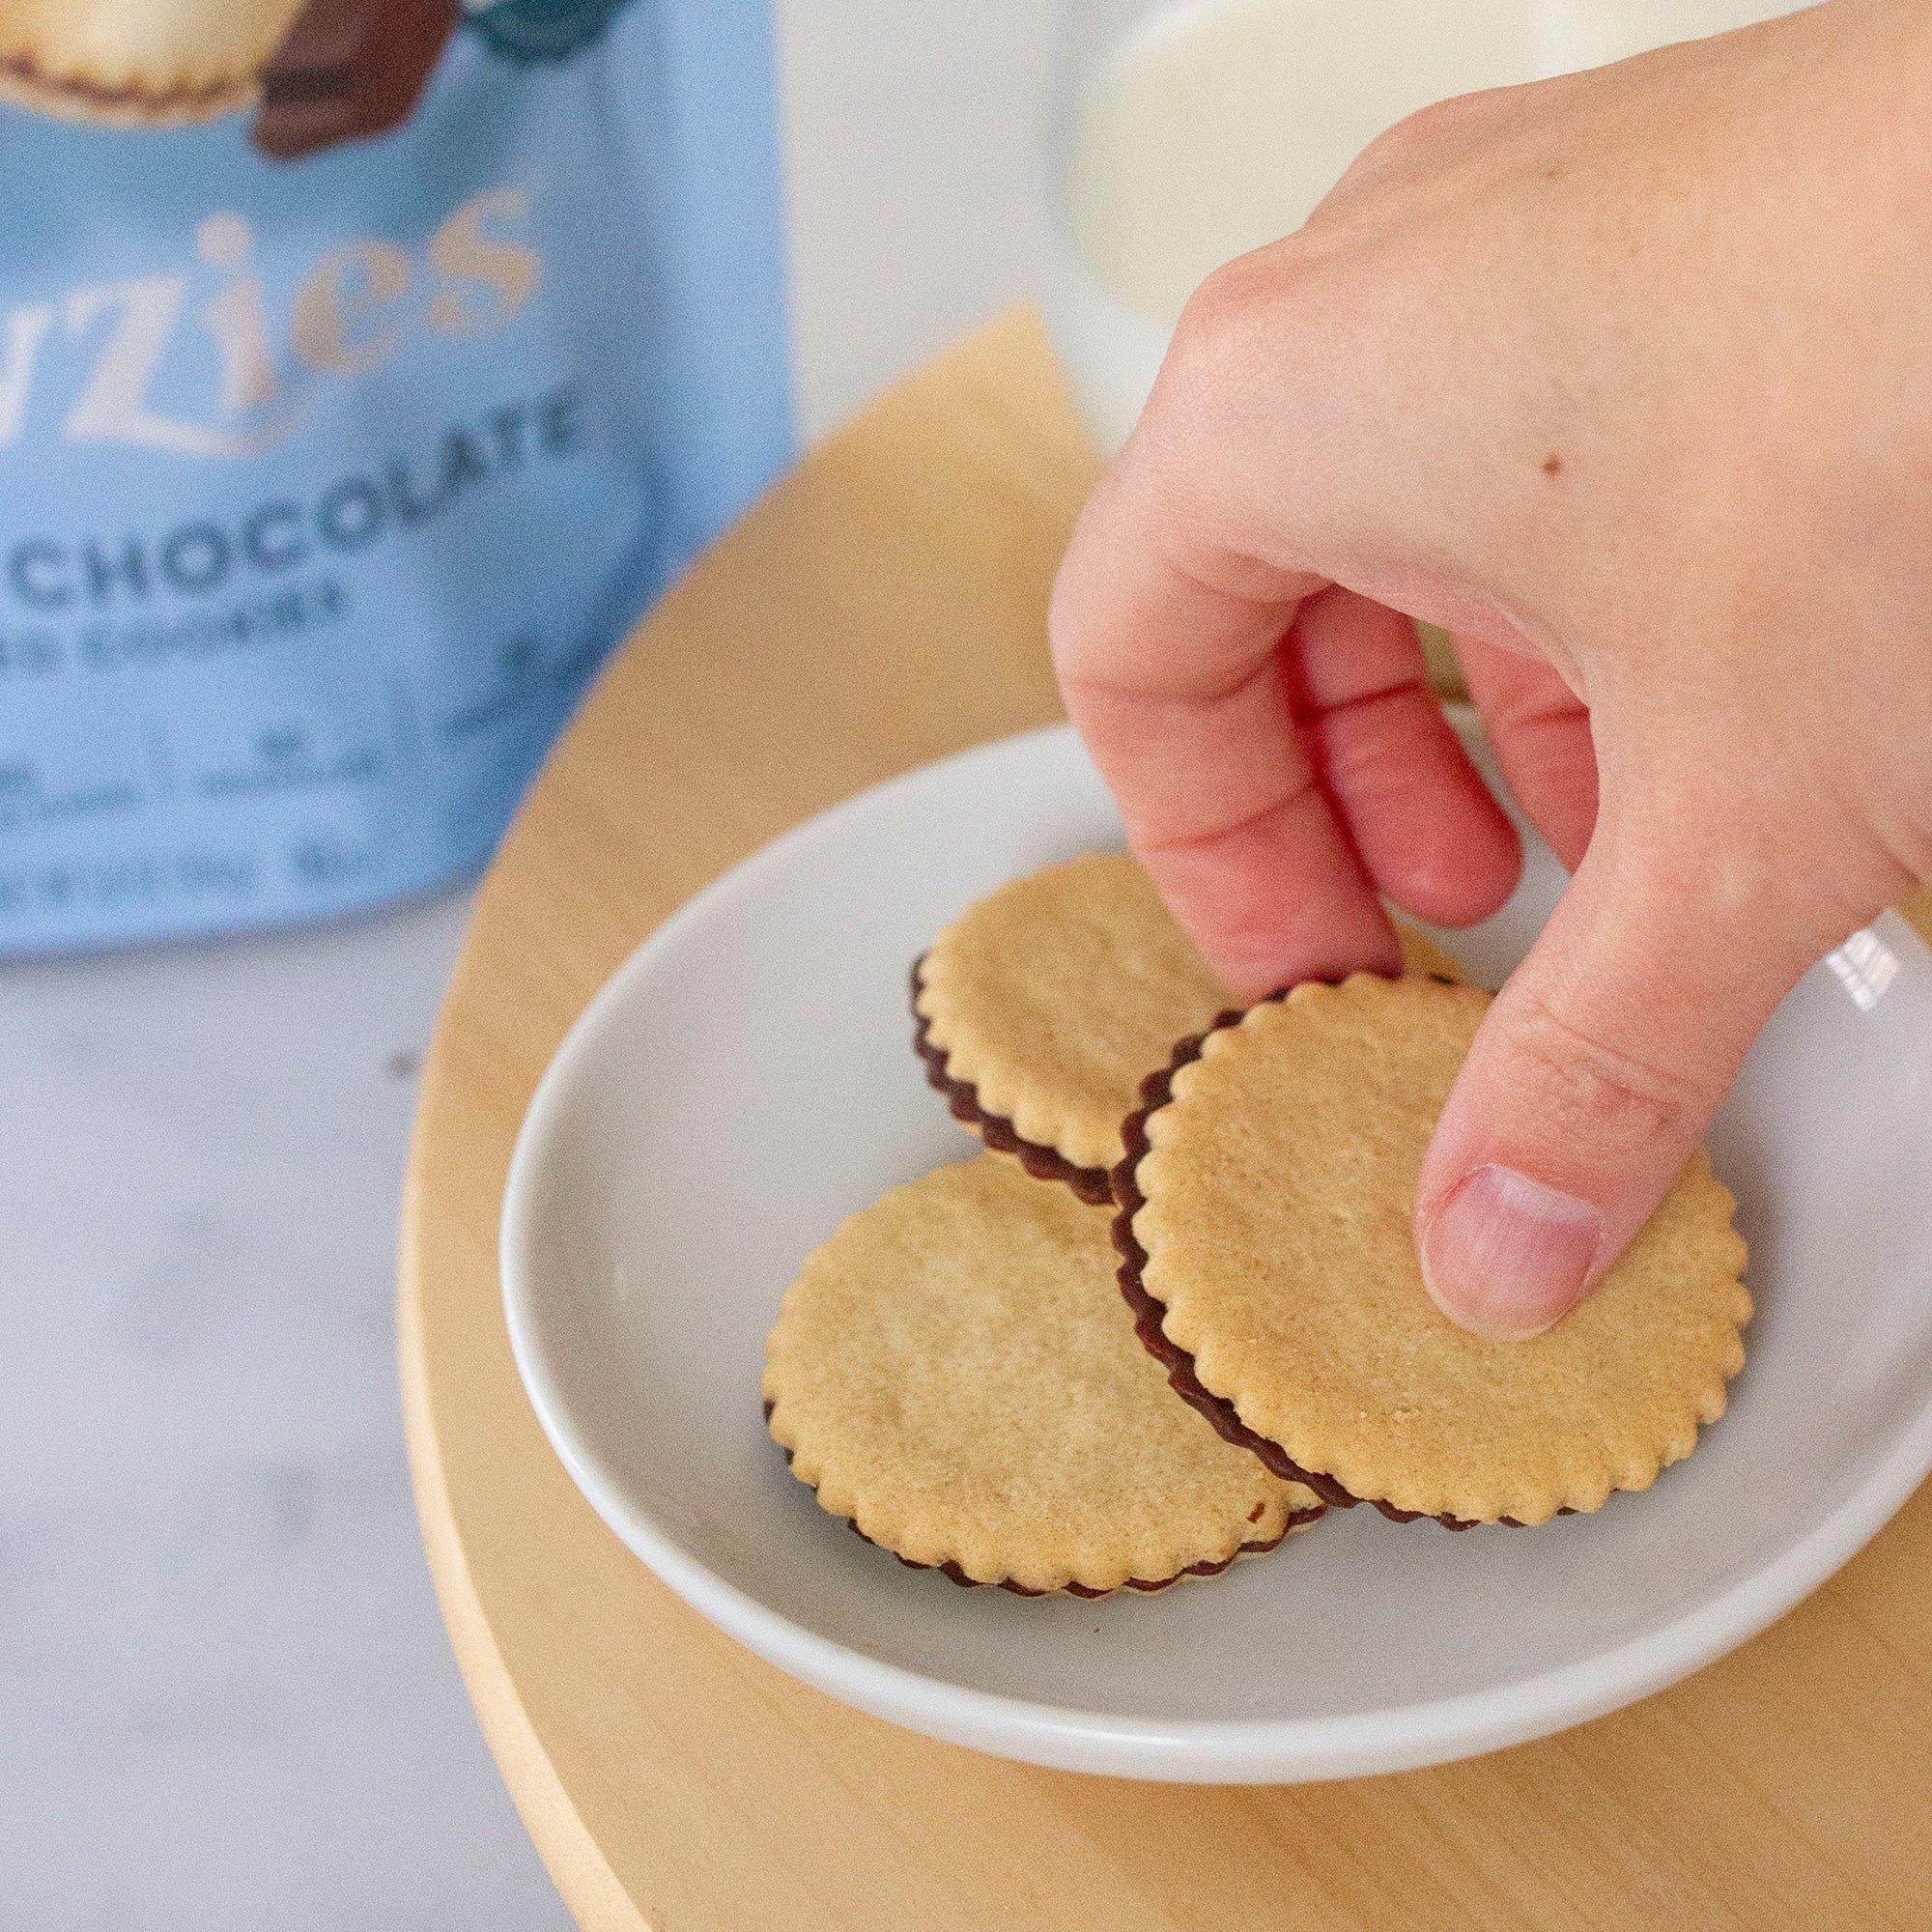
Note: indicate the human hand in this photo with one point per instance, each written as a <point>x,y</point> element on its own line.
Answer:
<point>1625,379</point>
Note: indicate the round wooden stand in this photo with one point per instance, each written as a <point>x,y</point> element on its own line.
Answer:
<point>882,606</point>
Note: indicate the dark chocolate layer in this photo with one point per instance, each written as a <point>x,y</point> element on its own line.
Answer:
<point>962,1100</point>
<point>954,1574</point>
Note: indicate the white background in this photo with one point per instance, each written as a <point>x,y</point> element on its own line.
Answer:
<point>226,1700</point>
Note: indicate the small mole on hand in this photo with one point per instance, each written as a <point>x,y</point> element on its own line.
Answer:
<point>1552,464</point>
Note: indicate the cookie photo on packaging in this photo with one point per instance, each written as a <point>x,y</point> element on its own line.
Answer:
<point>321,71</point>
<point>138,62</point>
<point>953,1373</point>
<point>1039,1011</point>
<point>1265,1230</point>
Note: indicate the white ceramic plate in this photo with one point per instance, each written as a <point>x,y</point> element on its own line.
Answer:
<point>746,1080</point>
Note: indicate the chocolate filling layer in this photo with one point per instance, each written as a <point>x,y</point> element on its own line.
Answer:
<point>962,1100</point>
<point>954,1574</point>
<point>1156,1091</point>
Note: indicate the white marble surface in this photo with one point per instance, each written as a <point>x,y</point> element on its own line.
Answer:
<point>225,1695</point>
<point>226,1700</point>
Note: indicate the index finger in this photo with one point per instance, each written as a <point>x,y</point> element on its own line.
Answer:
<point>1165,646</point>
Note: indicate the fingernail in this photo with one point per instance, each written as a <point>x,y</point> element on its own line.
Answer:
<point>1506,1255</point>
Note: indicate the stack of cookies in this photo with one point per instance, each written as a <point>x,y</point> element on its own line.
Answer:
<point>1174,1313</point>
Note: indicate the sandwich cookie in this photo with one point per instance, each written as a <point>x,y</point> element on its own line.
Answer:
<point>1265,1231</point>
<point>1039,1011</point>
<point>953,1371</point>
<point>142,63</point>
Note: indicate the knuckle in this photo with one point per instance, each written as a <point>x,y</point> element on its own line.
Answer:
<point>1224,299</point>
<point>1394,147</point>
<point>1596,1094</point>
<point>1440,120</point>
<point>1416,145</point>
<point>1228,321</point>
<point>1216,320</point>
<point>1428,129</point>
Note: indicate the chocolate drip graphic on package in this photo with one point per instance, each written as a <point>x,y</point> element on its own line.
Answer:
<point>347,69</point>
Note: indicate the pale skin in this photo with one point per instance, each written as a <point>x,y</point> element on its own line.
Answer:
<point>1626,380</point>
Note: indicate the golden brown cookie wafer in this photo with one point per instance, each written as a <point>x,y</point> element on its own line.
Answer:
<point>953,1373</point>
<point>1265,1234</point>
<point>148,63</point>
<point>1039,1011</point>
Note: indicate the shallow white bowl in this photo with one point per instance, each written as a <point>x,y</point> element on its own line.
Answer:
<point>746,1080</point>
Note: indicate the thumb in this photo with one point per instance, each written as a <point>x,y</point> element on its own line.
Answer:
<point>1596,1074</point>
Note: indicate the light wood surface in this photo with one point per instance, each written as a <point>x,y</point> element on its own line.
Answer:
<point>883,606</point>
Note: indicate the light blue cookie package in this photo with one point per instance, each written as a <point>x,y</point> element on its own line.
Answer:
<point>324,487</point>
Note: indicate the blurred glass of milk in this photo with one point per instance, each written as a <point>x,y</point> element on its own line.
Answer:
<point>1188,131</point>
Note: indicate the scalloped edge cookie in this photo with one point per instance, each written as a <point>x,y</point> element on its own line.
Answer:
<point>1292,1400</point>
<point>953,1374</point>
<point>1040,1050</point>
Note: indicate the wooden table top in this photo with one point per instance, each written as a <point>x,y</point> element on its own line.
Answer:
<point>883,606</point>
